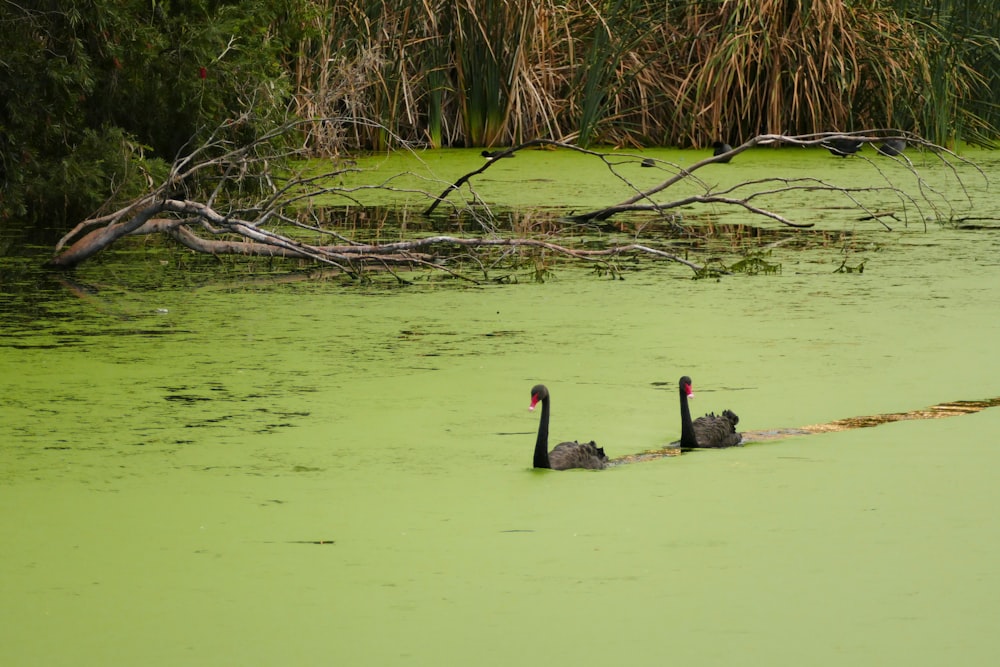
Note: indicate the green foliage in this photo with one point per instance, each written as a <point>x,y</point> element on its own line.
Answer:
<point>713,269</point>
<point>962,91</point>
<point>177,75</point>
<point>844,268</point>
<point>106,165</point>
<point>617,30</point>
<point>100,85</point>
<point>754,263</point>
<point>490,41</point>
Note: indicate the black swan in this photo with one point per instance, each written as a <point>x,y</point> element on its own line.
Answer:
<point>707,431</point>
<point>842,147</point>
<point>567,454</point>
<point>892,147</point>
<point>720,148</point>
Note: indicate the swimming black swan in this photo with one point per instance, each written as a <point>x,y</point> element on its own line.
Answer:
<point>566,454</point>
<point>707,431</point>
<point>842,147</point>
<point>720,148</point>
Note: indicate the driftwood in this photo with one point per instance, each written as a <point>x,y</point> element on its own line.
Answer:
<point>221,223</point>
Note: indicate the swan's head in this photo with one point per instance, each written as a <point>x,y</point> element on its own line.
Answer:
<point>685,385</point>
<point>538,393</point>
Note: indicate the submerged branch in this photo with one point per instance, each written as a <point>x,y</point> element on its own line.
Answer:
<point>823,139</point>
<point>349,258</point>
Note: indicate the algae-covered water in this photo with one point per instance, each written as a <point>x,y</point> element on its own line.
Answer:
<point>324,473</point>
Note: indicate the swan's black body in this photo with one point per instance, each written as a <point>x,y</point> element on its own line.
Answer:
<point>567,454</point>
<point>707,431</point>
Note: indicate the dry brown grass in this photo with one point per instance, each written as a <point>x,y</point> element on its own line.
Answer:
<point>631,72</point>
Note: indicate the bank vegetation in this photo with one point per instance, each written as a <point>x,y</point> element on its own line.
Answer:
<point>103,99</point>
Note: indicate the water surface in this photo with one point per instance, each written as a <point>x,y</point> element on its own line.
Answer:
<point>314,472</point>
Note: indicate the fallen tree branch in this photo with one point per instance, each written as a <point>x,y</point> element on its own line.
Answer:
<point>415,252</point>
<point>245,209</point>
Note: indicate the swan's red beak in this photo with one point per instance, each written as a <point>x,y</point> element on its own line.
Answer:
<point>689,391</point>
<point>534,401</point>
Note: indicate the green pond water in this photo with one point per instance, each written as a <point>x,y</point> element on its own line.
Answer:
<point>319,473</point>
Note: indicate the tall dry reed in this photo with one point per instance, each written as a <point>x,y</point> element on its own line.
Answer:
<point>493,72</point>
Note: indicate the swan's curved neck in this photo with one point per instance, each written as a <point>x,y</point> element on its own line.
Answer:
<point>688,438</point>
<point>542,443</point>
